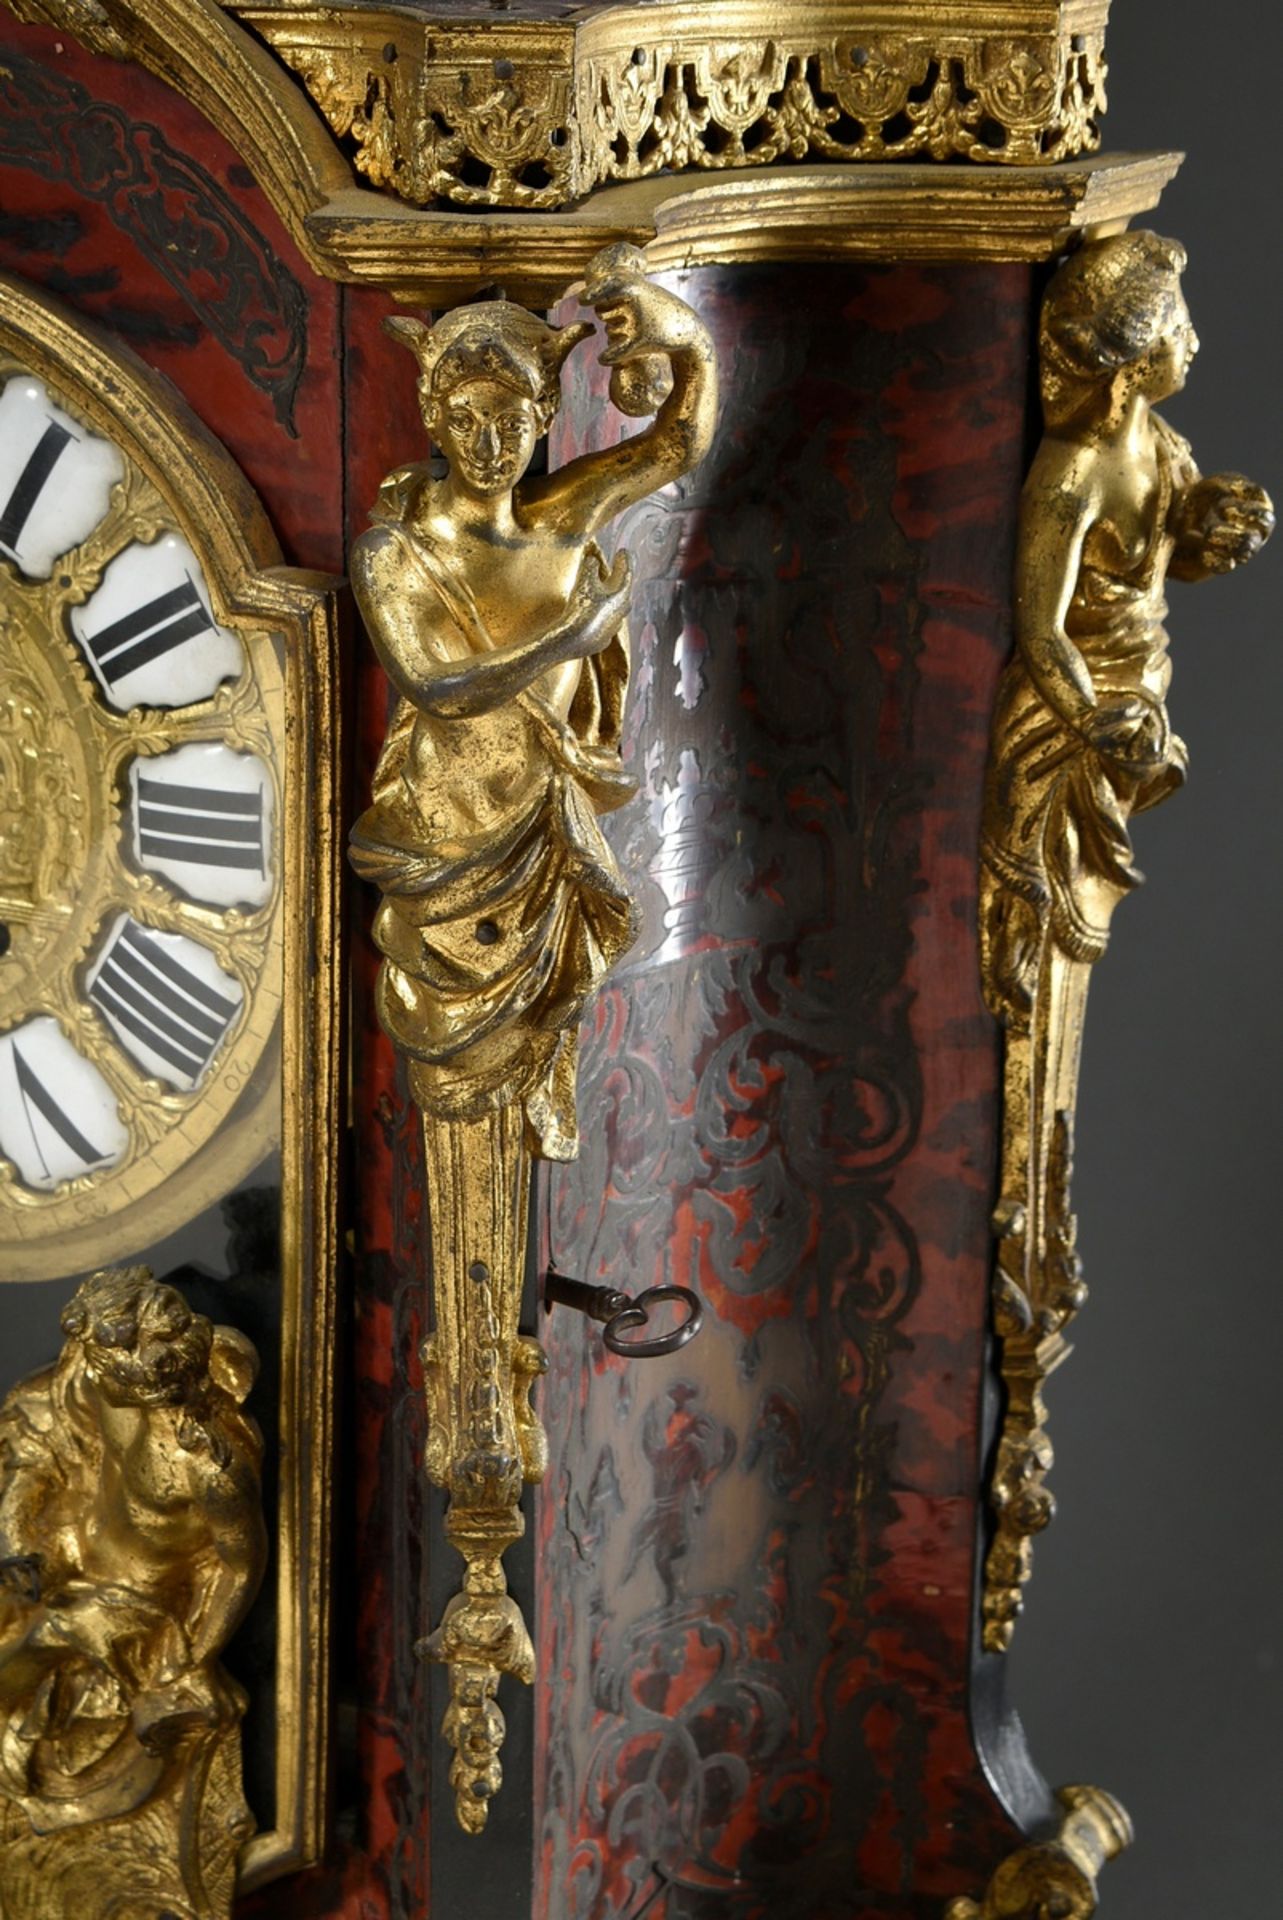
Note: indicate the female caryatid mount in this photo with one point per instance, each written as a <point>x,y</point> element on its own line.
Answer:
<point>1114,505</point>
<point>503,905</point>
<point>503,632</point>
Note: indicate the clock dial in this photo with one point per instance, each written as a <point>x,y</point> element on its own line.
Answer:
<point>170,991</point>
<point>141,748</point>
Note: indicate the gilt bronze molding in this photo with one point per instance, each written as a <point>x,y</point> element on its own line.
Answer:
<point>538,106</point>
<point>722,208</point>
<point>132,1543</point>
<point>860,212</point>
<point>504,633</point>
<point>1113,506</point>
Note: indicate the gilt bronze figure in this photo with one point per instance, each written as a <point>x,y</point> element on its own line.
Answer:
<point>503,630</point>
<point>1113,506</point>
<point>132,1543</point>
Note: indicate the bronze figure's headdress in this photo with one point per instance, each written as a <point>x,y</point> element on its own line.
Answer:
<point>491,340</point>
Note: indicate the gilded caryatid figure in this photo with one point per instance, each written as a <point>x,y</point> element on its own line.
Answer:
<point>1114,506</point>
<point>502,628</point>
<point>131,1546</point>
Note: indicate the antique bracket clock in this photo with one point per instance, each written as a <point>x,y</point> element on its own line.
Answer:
<point>582,597</point>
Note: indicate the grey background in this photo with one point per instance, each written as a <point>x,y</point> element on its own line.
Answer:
<point>1149,1661</point>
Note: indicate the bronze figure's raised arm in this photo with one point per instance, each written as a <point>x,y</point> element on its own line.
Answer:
<point>1113,505</point>
<point>503,630</point>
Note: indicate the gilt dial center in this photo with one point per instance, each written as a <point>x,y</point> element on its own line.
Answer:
<point>50,813</point>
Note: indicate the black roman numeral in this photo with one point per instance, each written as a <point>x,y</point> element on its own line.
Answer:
<point>205,826</point>
<point>161,1002</point>
<point>148,632</point>
<point>33,1093</point>
<point>42,460</point>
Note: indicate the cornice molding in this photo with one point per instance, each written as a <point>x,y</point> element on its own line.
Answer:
<point>825,213</point>
<point>441,255</point>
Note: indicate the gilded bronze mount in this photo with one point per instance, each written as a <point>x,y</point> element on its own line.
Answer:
<point>542,104</point>
<point>1113,506</point>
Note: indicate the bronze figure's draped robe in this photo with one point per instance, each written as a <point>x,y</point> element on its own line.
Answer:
<point>1061,807</point>
<point>1113,505</point>
<point>502,907</point>
<point>498,922</point>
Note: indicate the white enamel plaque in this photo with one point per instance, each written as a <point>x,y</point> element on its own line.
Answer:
<point>201,817</point>
<point>58,1117</point>
<point>148,633</point>
<point>166,999</point>
<point>55,478</point>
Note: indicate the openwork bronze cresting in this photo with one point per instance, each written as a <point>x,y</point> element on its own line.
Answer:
<point>536,106</point>
<point>131,1544</point>
<point>503,630</point>
<point>1082,740</point>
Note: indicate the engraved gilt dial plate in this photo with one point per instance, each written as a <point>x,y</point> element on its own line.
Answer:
<point>141,747</point>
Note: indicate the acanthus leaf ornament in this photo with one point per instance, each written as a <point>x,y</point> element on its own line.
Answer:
<point>1082,740</point>
<point>503,631</point>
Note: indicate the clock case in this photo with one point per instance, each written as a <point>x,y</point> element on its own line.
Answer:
<point>102,161</point>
